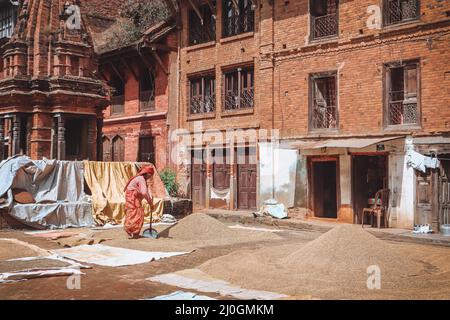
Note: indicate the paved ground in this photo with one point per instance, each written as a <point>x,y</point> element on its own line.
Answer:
<point>129,282</point>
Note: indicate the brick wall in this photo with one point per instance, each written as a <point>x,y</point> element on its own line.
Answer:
<point>358,55</point>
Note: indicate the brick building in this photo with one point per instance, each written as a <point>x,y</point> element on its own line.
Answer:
<point>75,85</point>
<point>350,85</point>
<point>136,123</point>
<point>51,99</point>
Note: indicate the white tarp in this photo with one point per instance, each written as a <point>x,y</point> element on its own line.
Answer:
<point>56,186</point>
<point>199,281</point>
<point>278,170</point>
<point>182,295</point>
<point>111,256</point>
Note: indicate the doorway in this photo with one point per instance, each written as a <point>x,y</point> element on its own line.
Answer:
<point>198,179</point>
<point>370,174</point>
<point>246,178</point>
<point>324,188</point>
<point>147,150</point>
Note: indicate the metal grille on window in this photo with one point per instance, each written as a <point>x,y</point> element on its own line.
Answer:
<point>324,18</point>
<point>7,20</point>
<point>198,32</point>
<point>397,11</point>
<point>147,91</point>
<point>239,89</point>
<point>238,17</point>
<point>402,95</point>
<point>324,106</point>
<point>202,95</point>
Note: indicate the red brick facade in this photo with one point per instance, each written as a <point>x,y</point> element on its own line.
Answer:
<point>366,43</point>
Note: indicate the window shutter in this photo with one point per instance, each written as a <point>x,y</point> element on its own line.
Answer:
<point>410,83</point>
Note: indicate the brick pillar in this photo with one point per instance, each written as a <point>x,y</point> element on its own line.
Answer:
<point>41,136</point>
<point>61,141</point>
<point>15,143</point>
<point>2,139</point>
<point>233,179</point>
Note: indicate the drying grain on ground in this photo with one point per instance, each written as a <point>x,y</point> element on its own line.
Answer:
<point>193,232</point>
<point>336,264</point>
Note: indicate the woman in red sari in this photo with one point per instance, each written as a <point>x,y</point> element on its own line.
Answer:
<point>135,191</point>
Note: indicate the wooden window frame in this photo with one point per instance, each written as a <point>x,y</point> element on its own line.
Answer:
<point>401,22</point>
<point>312,91</point>
<point>200,80</point>
<point>313,19</point>
<point>209,21</point>
<point>249,71</point>
<point>386,94</point>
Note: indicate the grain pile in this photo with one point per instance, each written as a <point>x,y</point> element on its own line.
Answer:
<point>200,227</point>
<point>335,266</point>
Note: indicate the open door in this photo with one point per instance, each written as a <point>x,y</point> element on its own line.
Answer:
<point>323,184</point>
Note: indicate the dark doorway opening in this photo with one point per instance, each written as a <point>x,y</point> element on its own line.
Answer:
<point>370,174</point>
<point>147,149</point>
<point>76,139</point>
<point>324,187</point>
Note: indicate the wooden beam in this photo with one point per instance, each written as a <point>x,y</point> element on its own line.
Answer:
<point>124,61</point>
<point>147,64</point>
<point>161,64</point>
<point>117,72</point>
<point>211,6</point>
<point>236,5</point>
<point>196,11</point>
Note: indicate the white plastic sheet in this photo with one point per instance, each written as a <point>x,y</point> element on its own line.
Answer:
<point>113,257</point>
<point>214,286</point>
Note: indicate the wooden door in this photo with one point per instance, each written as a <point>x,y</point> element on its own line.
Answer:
<point>427,199</point>
<point>247,179</point>
<point>118,151</point>
<point>198,180</point>
<point>106,146</point>
<point>147,149</point>
<point>444,194</point>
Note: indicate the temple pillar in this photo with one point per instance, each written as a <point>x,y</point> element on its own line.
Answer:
<point>61,137</point>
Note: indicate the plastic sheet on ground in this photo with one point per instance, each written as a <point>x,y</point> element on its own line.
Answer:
<point>197,280</point>
<point>72,268</point>
<point>57,188</point>
<point>106,180</point>
<point>181,295</point>
<point>113,257</point>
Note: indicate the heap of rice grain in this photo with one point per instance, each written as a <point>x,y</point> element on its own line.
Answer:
<point>199,227</point>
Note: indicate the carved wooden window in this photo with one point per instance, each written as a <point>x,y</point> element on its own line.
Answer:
<point>202,94</point>
<point>324,18</point>
<point>402,92</point>
<point>202,32</point>
<point>106,146</point>
<point>239,89</point>
<point>238,17</point>
<point>147,90</point>
<point>118,96</point>
<point>323,109</point>
<point>8,18</point>
<point>118,149</point>
<point>398,11</point>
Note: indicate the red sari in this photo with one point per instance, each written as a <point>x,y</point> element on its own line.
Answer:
<point>135,191</point>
